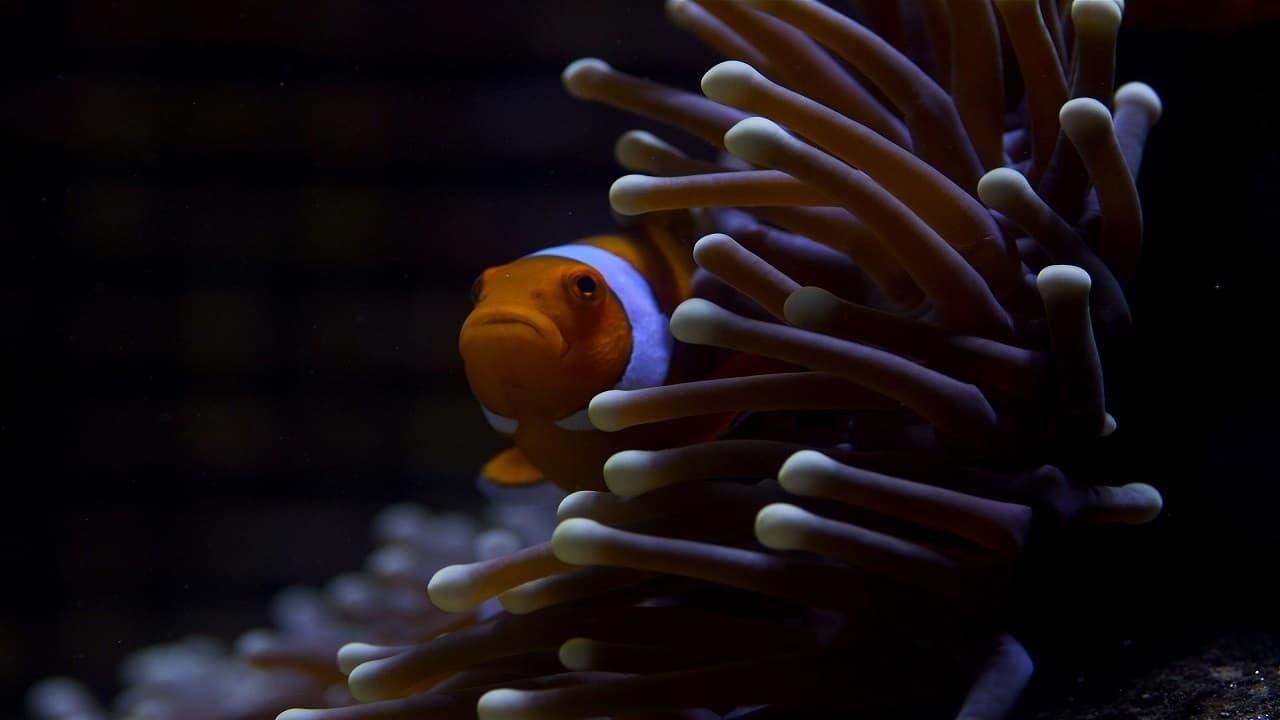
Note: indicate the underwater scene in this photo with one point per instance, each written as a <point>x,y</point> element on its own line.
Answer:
<point>634,359</point>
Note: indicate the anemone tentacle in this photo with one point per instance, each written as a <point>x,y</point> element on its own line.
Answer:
<point>943,273</point>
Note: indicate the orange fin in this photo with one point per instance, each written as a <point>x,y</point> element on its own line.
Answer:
<point>511,467</point>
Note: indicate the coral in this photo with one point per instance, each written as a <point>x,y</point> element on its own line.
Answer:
<point>944,270</point>
<point>294,662</point>
<point>933,217</point>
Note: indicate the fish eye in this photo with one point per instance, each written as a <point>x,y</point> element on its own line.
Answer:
<point>477,288</point>
<point>585,286</point>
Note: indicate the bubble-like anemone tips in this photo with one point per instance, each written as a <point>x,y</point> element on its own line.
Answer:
<point>300,714</point>
<point>801,473</point>
<point>634,150</point>
<point>253,642</point>
<point>1002,187</point>
<point>626,195</point>
<point>626,473</point>
<point>695,321</point>
<point>349,590</point>
<point>726,82</point>
<point>1148,501</point>
<point>1108,425</point>
<point>353,655</point>
<point>1143,96</point>
<point>587,503</point>
<point>577,654</point>
<point>579,75</point>
<point>364,681</point>
<point>1062,282</point>
<point>708,245</point>
<point>451,589</point>
<point>391,561</point>
<point>753,138</point>
<point>496,543</point>
<point>576,541</point>
<point>1083,117</point>
<point>781,526</point>
<point>503,704</point>
<point>399,521</point>
<point>580,503</point>
<point>61,697</point>
<point>809,306</point>
<point>680,15</point>
<point>1103,14</point>
<point>604,410</point>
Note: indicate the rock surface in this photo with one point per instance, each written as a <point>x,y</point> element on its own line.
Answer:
<point>1235,675</point>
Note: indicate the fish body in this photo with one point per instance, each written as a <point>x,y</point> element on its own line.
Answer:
<point>551,330</point>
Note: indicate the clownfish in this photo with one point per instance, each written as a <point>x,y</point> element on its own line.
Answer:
<point>551,330</point>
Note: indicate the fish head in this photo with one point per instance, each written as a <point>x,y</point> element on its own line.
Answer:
<point>545,335</point>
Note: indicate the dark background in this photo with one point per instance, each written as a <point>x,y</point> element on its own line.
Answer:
<point>238,241</point>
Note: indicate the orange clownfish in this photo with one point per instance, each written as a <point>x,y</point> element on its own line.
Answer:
<point>551,330</point>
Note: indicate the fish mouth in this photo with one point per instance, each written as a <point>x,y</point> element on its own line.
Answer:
<point>541,326</point>
<point>508,318</point>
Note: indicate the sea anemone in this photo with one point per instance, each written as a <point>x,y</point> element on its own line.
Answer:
<point>932,217</point>
<point>945,270</point>
<point>293,663</point>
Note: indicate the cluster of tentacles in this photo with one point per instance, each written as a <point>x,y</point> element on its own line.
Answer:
<point>931,214</point>
<point>293,664</point>
<point>944,266</point>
